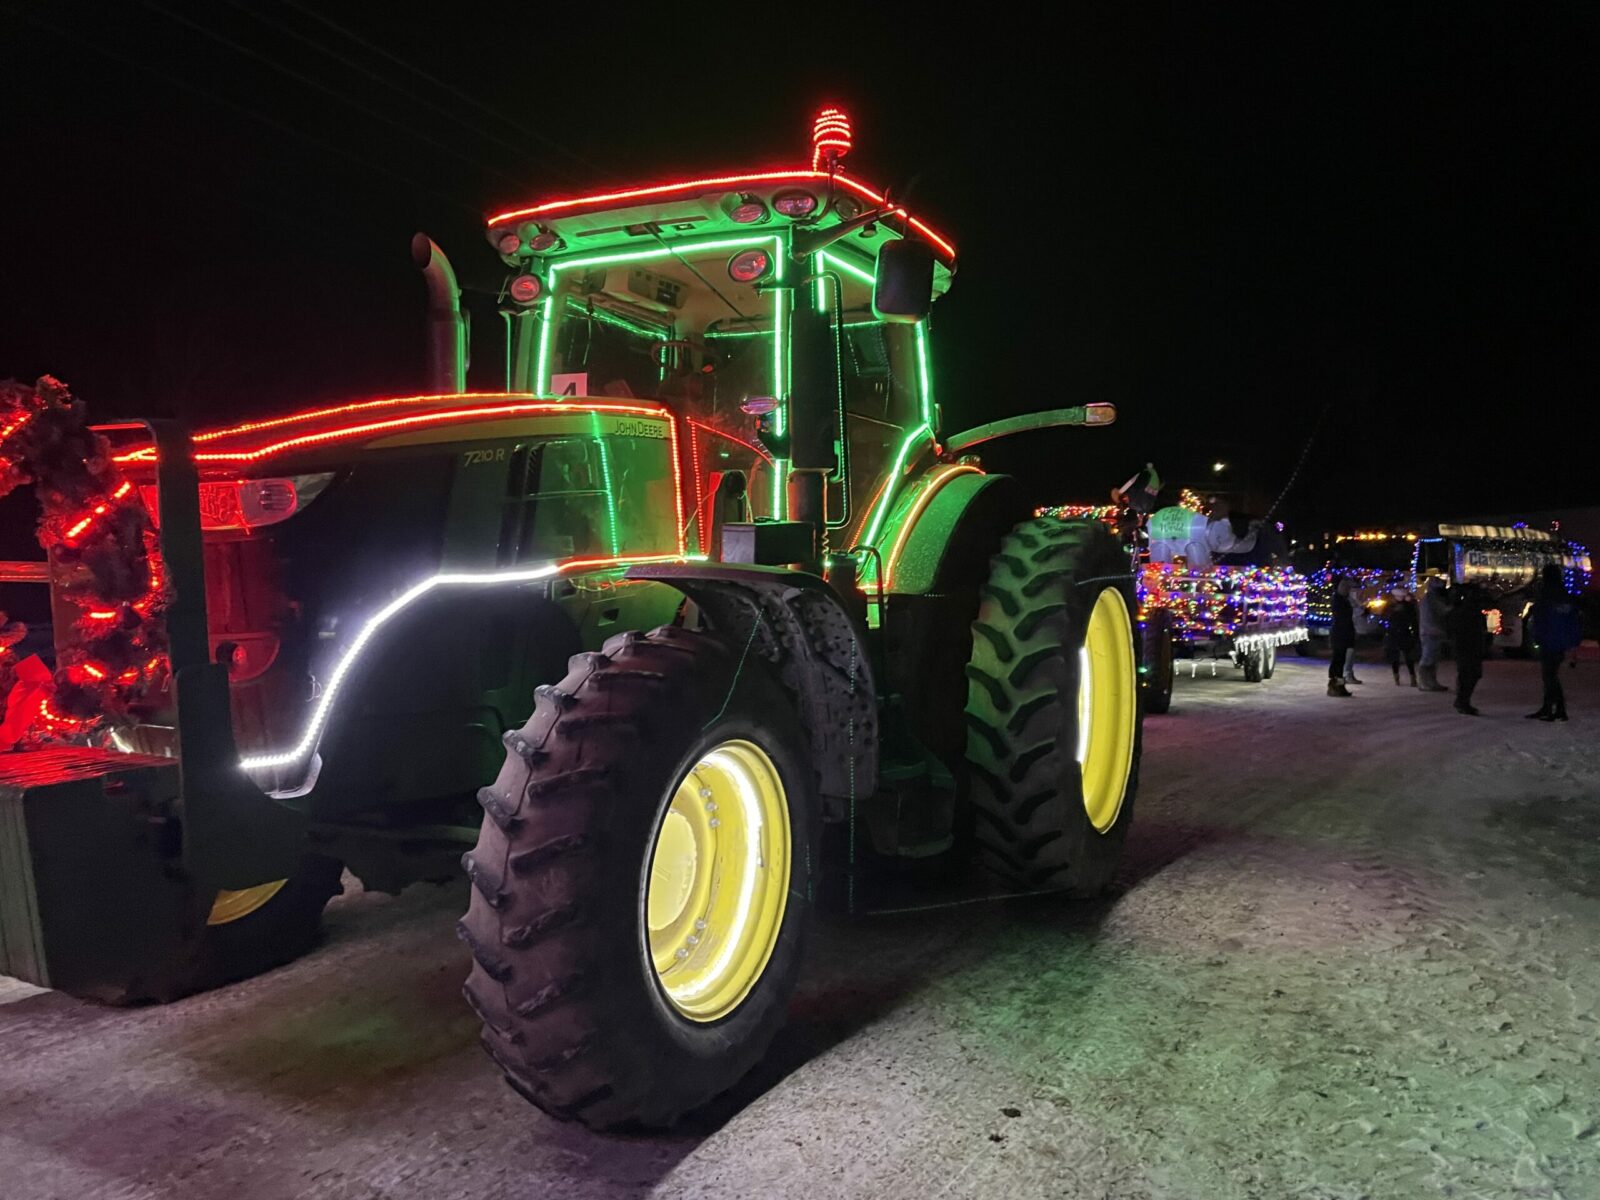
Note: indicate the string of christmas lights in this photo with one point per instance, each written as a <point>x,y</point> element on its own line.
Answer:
<point>104,557</point>
<point>1224,601</point>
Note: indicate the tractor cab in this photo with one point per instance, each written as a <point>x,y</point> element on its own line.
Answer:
<point>780,314</point>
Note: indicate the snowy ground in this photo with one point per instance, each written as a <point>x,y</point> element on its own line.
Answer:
<point>1352,954</point>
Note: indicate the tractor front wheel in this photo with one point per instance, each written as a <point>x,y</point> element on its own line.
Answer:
<point>1053,708</point>
<point>642,882</point>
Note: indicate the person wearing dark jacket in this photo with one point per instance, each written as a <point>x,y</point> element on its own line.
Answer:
<point>1343,635</point>
<point>1400,634</point>
<point>1467,633</point>
<point>1557,630</point>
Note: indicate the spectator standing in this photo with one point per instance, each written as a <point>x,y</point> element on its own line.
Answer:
<point>1400,634</point>
<point>1467,633</point>
<point>1432,617</point>
<point>1343,635</point>
<point>1557,630</point>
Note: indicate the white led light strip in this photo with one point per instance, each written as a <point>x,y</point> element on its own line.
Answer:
<point>319,718</point>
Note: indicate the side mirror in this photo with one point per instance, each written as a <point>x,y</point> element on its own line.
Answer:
<point>902,286</point>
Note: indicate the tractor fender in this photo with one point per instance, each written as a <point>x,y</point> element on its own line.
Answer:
<point>950,524</point>
<point>947,525</point>
<point>800,628</point>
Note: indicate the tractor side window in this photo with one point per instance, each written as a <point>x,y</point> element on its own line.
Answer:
<point>556,504</point>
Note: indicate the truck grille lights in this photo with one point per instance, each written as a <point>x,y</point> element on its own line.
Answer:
<point>509,244</point>
<point>543,240</point>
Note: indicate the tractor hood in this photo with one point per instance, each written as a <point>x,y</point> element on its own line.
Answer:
<point>323,437</point>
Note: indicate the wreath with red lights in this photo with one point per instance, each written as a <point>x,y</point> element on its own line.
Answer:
<point>106,565</point>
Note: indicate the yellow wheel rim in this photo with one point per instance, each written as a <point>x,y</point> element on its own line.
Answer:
<point>718,880</point>
<point>1107,708</point>
<point>235,906</point>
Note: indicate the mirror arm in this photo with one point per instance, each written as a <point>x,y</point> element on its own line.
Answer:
<point>809,241</point>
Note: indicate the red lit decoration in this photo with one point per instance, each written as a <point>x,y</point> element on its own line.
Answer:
<point>323,430</point>
<point>716,184</point>
<point>105,564</point>
<point>830,140</point>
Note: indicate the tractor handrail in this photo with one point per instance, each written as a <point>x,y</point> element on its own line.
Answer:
<point>1083,414</point>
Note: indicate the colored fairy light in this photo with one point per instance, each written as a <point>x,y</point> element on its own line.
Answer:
<point>1253,605</point>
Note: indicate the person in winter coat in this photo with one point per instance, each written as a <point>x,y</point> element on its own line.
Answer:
<point>1432,615</point>
<point>1557,630</point>
<point>1343,633</point>
<point>1400,634</point>
<point>1467,633</point>
<point>1358,605</point>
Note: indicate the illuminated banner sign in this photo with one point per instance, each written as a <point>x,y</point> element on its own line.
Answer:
<point>1510,533</point>
<point>1481,565</point>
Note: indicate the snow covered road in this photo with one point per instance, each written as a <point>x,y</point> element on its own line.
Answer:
<point>1351,954</point>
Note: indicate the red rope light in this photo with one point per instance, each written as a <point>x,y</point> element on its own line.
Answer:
<point>830,139</point>
<point>699,490</point>
<point>722,433</point>
<point>108,551</point>
<point>728,182</point>
<point>394,424</point>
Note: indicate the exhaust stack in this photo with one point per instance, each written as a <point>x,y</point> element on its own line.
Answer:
<point>447,335</point>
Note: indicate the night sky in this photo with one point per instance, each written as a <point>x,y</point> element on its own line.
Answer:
<point>1243,233</point>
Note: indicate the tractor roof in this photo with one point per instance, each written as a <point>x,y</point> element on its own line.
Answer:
<point>751,203</point>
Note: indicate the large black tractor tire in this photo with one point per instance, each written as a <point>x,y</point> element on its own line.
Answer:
<point>1034,830</point>
<point>1269,661</point>
<point>233,936</point>
<point>1251,660</point>
<point>1155,666</point>
<point>567,978</point>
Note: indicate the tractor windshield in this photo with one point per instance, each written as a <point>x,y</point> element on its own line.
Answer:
<point>679,327</point>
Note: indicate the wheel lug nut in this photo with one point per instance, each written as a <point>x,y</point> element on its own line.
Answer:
<point>681,953</point>
<point>691,940</point>
<point>713,822</point>
<point>700,924</point>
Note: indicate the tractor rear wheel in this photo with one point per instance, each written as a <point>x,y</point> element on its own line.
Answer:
<point>641,885</point>
<point>1052,708</point>
<point>1156,662</point>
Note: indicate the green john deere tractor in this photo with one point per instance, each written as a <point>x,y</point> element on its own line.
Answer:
<point>777,633</point>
